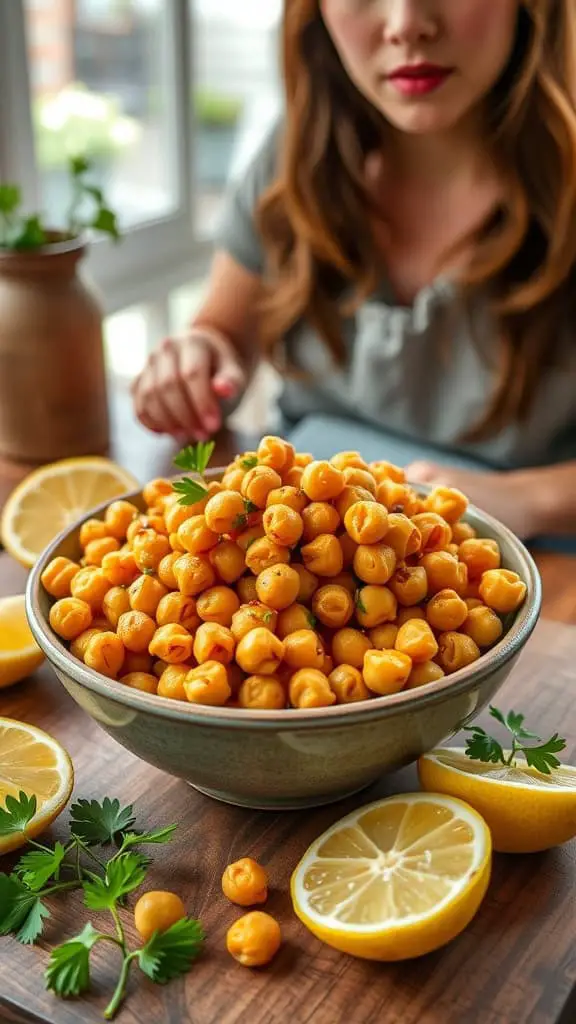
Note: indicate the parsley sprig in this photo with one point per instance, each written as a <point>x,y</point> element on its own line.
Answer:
<point>106,880</point>
<point>193,459</point>
<point>483,747</point>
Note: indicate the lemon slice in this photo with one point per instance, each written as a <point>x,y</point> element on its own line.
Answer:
<point>525,810</point>
<point>19,652</point>
<point>54,497</point>
<point>35,763</point>
<point>396,879</point>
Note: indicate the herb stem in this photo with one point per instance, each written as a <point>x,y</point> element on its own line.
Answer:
<point>89,853</point>
<point>120,990</point>
<point>39,846</point>
<point>59,887</point>
<point>119,928</point>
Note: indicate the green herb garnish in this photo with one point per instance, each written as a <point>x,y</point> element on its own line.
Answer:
<point>359,603</point>
<point>105,879</point>
<point>483,747</point>
<point>249,461</point>
<point>193,459</point>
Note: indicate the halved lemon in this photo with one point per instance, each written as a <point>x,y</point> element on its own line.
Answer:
<point>53,497</point>
<point>396,879</point>
<point>19,652</point>
<point>525,810</point>
<point>32,762</point>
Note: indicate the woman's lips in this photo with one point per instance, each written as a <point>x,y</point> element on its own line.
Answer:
<point>418,80</point>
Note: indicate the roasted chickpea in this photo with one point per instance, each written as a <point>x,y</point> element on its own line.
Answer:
<point>462,532</point>
<point>474,602</point>
<point>391,493</point>
<point>278,587</point>
<point>423,673</point>
<point>310,688</point>
<point>456,650</point>
<point>434,530</point>
<point>175,514</point>
<point>349,647</point>
<point>374,563</point>
<point>143,681</point>
<point>483,625</point>
<point>293,618</point>
<point>154,520</point>
<point>79,645</point>
<point>93,529</point>
<point>446,611</point>
<point>382,470</point>
<point>58,576</point>
<point>265,553</point>
<point>194,574</point>
<point>178,609</point>
<point>409,584</point>
<point>276,453</point>
<point>262,693</point>
<point>136,630</point>
<point>145,594</point>
<point>217,604</point>
<point>227,558</point>
<point>293,478</point>
<point>333,606</point>
<point>157,489</point>
<point>70,617</point>
<point>293,497</point>
<point>366,522</point>
<point>105,654</point>
<point>259,652</point>
<point>172,643</point>
<point>416,639</point>
<point>175,544</point>
<point>141,662</point>
<point>258,483</point>
<point>447,502</point>
<point>118,517</point>
<point>116,602</point>
<point>208,684</point>
<point>224,513</point>
<point>349,548</point>
<point>308,582</point>
<point>149,549</point>
<point>386,672</point>
<point>90,585</point>
<point>233,477</point>
<point>406,614</point>
<point>349,496</point>
<point>246,589</point>
<point>245,539</point>
<point>321,481</point>
<point>195,535</point>
<point>472,591</point>
<point>348,685</point>
<point>213,643</point>
<point>171,682</point>
<point>283,525</point>
<point>402,536</point>
<point>97,549</point>
<point>409,503</point>
<point>235,678</point>
<point>479,556</point>
<point>245,882</point>
<point>356,477</point>
<point>323,555</point>
<point>120,568</point>
<point>157,912</point>
<point>374,606</point>
<point>319,517</point>
<point>304,649</point>
<point>346,460</point>
<point>383,638</point>
<point>444,572</point>
<point>166,570</point>
<point>254,939</point>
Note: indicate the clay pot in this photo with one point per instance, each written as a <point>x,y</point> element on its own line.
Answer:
<point>52,378</point>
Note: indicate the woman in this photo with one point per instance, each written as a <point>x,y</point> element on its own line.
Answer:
<point>406,243</point>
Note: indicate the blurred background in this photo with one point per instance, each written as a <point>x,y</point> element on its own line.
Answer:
<point>169,99</point>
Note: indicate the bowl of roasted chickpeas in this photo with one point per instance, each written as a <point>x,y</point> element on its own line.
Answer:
<point>282,632</point>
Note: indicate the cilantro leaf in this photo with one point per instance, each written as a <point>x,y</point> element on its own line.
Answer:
<point>100,823</point>
<point>249,461</point>
<point>159,835</point>
<point>482,747</point>
<point>312,620</point>
<point>515,724</point>
<point>17,813</point>
<point>21,910</point>
<point>195,458</point>
<point>543,758</point>
<point>359,603</point>
<point>190,491</point>
<point>498,715</point>
<point>105,220</point>
<point>123,874</point>
<point>37,866</point>
<point>68,972</point>
<point>171,953</point>
<point>33,924</point>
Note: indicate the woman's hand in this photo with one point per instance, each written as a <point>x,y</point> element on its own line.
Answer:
<point>179,389</point>
<point>510,497</point>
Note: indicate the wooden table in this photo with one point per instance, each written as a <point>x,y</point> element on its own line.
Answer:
<point>515,964</point>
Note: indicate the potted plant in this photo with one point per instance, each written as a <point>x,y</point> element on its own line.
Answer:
<point>52,378</point>
<point>216,116</point>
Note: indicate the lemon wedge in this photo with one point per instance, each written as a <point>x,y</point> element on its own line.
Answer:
<point>33,762</point>
<point>525,810</point>
<point>19,652</point>
<point>54,497</point>
<point>396,879</point>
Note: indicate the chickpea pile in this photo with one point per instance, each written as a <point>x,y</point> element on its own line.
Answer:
<point>292,583</point>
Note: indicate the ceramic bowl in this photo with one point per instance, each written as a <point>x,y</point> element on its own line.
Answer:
<point>288,759</point>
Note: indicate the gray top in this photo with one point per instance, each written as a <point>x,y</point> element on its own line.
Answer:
<point>425,371</point>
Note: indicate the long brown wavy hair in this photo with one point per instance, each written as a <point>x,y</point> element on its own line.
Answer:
<point>315,218</point>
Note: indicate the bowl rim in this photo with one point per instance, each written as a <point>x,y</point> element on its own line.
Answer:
<point>287,719</point>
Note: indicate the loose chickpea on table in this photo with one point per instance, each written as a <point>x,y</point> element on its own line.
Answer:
<point>289,583</point>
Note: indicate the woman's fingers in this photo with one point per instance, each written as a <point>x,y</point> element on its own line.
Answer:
<point>422,472</point>
<point>195,370</point>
